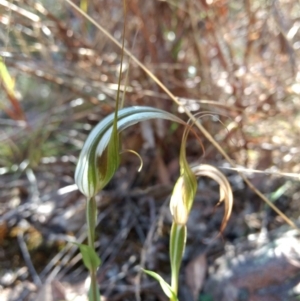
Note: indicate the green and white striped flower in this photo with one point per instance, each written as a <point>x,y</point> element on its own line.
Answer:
<point>100,158</point>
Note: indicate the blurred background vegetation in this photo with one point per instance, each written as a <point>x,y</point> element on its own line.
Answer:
<point>237,60</point>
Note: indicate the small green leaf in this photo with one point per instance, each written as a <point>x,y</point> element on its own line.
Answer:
<point>164,285</point>
<point>90,258</point>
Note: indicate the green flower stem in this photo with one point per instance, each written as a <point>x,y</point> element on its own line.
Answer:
<point>177,246</point>
<point>94,286</point>
<point>91,216</point>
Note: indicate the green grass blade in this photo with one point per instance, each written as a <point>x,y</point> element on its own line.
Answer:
<point>6,78</point>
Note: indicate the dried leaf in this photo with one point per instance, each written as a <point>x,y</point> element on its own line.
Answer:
<point>195,273</point>
<point>51,291</point>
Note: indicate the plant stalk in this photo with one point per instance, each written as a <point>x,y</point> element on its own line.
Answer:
<point>177,246</point>
<point>91,217</point>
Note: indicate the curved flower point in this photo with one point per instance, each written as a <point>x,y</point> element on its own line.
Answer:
<point>225,189</point>
<point>185,188</point>
<point>99,159</point>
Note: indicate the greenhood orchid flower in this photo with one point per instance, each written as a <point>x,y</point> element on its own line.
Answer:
<point>97,163</point>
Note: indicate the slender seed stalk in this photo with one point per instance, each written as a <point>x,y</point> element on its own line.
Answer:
<point>91,217</point>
